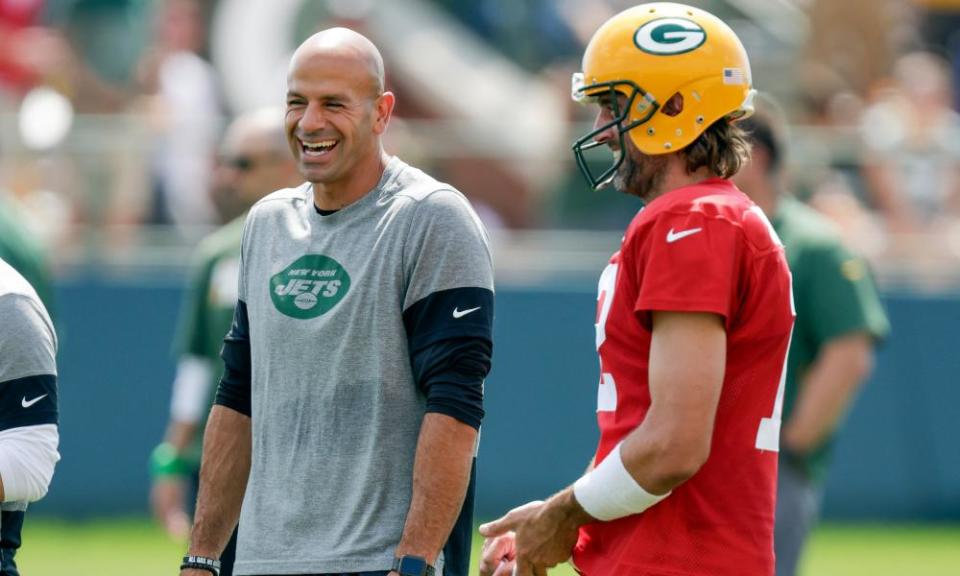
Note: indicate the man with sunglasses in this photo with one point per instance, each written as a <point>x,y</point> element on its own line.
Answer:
<point>694,316</point>
<point>254,161</point>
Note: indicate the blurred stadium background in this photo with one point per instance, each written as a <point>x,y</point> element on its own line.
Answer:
<point>110,111</point>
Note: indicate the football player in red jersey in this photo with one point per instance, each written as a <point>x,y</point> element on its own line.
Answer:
<point>694,319</point>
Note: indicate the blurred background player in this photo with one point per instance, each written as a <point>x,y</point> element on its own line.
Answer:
<point>254,161</point>
<point>839,321</point>
<point>29,416</point>
<point>685,470</point>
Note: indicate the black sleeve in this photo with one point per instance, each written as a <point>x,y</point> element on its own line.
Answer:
<point>451,343</point>
<point>28,401</point>
<point>234,389</point>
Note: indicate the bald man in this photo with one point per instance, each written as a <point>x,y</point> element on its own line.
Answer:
<point>344,428</point>
<point>254,161</point>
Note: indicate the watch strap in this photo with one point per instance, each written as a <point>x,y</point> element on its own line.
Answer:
<point>211,565</point>
<point>412,566</point>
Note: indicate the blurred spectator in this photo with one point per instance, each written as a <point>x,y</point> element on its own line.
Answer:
<point>533,33</point>
<point>827,98</point>
<point>839,319</point>
<point>95,44</point>
<point>184,105</point>
<point>831,178</point>
<point>16,19</point>
<point>859,39</point>
<point>68,56</point>
<point>912,136</point>
<point>31,53</point>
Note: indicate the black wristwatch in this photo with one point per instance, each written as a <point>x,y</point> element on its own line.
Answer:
<point>211,565</point>
<point>412,566</point>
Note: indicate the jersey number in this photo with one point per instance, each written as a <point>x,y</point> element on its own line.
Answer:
<point>607,390</point>
<point>768,433</point>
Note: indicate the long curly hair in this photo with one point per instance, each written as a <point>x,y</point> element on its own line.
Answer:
<point>723,148</point>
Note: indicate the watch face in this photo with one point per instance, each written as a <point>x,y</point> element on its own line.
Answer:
<point>412,566</point>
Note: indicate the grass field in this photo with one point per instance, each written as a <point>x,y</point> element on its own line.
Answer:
<point>135,546</point>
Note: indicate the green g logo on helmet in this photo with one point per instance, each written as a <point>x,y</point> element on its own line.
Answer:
<point>309,287</point>
<point>667,36</point>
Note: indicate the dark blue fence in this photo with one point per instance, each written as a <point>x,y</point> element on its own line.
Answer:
<point>898,457</point>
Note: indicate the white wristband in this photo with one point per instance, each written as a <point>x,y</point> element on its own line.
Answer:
<point>609,491</point>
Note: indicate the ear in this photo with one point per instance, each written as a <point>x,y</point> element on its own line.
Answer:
<point>383,110</point>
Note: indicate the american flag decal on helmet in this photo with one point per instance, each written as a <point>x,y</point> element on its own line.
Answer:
<point>733,76</point>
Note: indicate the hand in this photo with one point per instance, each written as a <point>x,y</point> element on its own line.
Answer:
<point>194,572</point>
<point>497,556</point>
<point>794,442</point>
<point>167,497</point>
<point>544,532</point>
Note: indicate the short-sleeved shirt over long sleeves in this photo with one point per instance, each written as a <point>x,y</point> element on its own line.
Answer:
<point>335,406</point>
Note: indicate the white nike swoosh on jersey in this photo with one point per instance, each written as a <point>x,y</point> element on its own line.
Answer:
<point>28,403</point>
<point>462,313</point>
<point>674,236</point>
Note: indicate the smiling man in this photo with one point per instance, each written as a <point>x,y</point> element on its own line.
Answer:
<point>694,315</point>
<point>345,425</point>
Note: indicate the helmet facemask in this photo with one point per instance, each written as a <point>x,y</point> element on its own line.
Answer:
<point>623,121</point>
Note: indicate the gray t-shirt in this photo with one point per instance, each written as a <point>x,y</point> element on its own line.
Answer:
<point>335,410</point>
<point>28,343</point>
<point>28,347</point>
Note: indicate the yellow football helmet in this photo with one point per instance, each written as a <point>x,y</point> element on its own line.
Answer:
<point>650,52</point>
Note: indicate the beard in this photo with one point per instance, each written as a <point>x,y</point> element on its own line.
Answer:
<point>640,174</point>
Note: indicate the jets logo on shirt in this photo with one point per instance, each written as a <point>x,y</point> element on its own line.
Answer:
<point>309,287</point>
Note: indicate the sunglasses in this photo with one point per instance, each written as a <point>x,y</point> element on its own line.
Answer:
<point>244,163</point>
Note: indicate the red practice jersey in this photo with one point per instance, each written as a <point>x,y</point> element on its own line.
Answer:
<point>701,248</point>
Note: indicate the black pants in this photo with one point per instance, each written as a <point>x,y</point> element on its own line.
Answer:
<point>11,522</point>
<point>229,556</point>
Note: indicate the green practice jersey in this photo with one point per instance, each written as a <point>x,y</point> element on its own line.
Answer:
<point>834,294</point>
<point>207,311</point>
<point>22,252</point>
